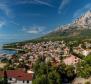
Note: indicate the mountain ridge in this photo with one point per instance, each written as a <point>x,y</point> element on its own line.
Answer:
<point>80,27</point>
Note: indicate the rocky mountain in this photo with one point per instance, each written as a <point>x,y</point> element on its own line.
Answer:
<point>84,20</point>
<point>80,27</point>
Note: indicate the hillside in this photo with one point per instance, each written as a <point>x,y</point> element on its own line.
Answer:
<point>80,28</point>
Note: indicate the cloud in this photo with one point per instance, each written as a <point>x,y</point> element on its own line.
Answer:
<point>2,23</point>
<point>5,9</point>
<point>15,23</point>
<point>63,4</point>
<point>30,15</point>
<point>81,11</point>
<point>23,2</point>
<point>33,29</point>
<point>41,2</point>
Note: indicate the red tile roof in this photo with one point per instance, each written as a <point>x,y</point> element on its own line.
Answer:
<point>18,74</point>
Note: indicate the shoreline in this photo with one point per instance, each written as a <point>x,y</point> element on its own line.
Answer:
<point>13,49</point>
<point>7,51</point>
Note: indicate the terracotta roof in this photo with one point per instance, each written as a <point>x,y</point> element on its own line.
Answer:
<point>18,74</point>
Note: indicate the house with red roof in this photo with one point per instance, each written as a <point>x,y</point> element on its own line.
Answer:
<point>18,76</point>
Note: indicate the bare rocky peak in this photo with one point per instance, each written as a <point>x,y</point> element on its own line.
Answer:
<point>84,20</point>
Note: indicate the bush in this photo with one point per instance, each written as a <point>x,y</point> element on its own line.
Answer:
<point>87,82</point>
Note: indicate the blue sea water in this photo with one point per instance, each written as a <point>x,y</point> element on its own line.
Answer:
<point>7,51</point>
<point>3,51</point>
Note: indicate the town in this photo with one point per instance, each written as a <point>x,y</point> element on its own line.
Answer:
<point>55,54</point>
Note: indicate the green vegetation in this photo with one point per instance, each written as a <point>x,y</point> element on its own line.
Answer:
<point>84,67</point>
<point>45,73</point>
<point>88,82</point>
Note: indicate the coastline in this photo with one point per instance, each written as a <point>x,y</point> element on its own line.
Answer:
<point>7,51</point>
<point>10,49</point>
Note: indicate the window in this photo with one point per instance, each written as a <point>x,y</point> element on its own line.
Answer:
<point>27,81</point>
<point>75,57</point>
<point>10,78</point>
<point>75,60</point>
<point>23,81</point>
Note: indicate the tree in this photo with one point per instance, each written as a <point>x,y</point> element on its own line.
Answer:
<point>87,59</point>
<point>83,70</point>
<point>54,78</point>
<point>45,73</point>
<point>70,71</point>
<point>88,82</point>
<point>67,72</point>
<point>40,80</point>
<point>5,78</point>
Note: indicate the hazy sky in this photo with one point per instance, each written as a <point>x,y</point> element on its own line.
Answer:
<point>27,19</point>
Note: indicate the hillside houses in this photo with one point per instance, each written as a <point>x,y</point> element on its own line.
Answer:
<point>82,51</point>
<point>53,52</point>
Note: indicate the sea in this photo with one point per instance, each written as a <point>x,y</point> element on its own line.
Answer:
<point>5,51</point>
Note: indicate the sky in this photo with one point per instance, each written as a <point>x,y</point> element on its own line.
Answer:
<point>29,19</point>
